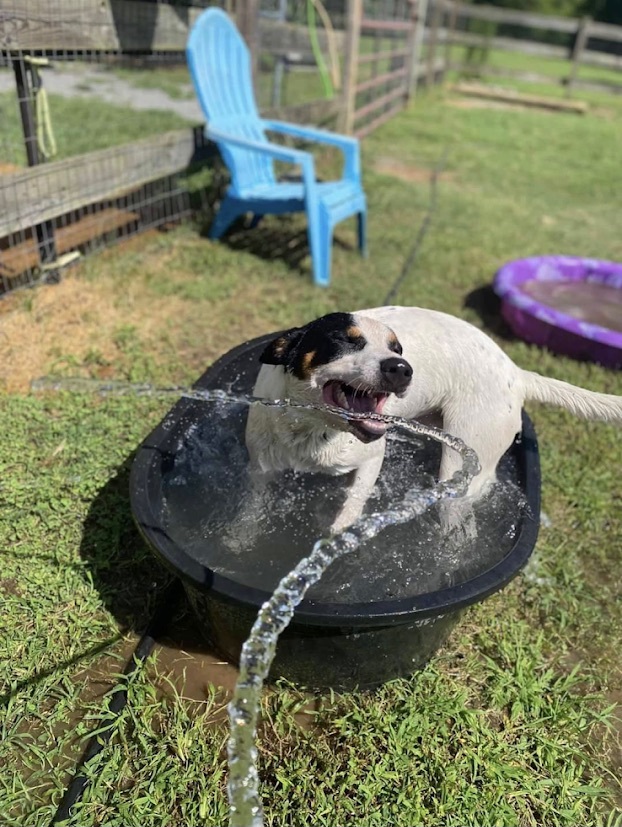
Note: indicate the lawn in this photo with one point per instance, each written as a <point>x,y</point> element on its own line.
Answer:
<point>540,75</point>
<point>516,720</point>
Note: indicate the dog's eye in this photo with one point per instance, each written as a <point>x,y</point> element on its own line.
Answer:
<point>396,347</point>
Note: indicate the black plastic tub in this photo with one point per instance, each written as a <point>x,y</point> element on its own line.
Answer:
<point>339,645</point>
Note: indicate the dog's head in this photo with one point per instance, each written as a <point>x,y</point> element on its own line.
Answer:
<point>351,361</point>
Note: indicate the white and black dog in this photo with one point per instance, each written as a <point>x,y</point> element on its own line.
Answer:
<point>405,361</point>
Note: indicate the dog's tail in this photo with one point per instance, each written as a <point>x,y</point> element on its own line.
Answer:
<point>580,402</point>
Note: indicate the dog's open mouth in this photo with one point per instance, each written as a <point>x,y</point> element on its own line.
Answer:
<point>340,395</point>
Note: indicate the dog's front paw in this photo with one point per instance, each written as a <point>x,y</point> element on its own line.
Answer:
<point>344,520</point>
<point>457,520</point>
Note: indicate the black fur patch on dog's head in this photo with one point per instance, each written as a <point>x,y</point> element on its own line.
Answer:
<point>324,340</point>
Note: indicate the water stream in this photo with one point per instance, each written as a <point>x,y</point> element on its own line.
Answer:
<point>274,616</point>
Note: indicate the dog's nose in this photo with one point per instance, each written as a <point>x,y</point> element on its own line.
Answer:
<point>396,373</point>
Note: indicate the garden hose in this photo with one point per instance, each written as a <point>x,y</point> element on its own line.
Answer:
<point>159,620</point>
<point>317,51</point>
<point>423,229</point>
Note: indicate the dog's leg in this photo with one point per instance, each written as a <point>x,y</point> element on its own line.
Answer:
<point>360,490</point>
<point>242,533</point>
<point>489,433</point>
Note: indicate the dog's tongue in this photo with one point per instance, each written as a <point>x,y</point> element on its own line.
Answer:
<point>362,404</point>
<point>368,404</point>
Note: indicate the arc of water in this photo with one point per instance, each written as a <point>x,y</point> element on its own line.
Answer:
<point>276,613</point>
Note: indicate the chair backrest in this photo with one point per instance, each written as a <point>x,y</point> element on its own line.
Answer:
<point>219,63</point>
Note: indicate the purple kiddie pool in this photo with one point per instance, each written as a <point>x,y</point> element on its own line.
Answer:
<point>570,305</point>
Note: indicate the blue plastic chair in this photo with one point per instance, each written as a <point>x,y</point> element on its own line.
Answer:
<point>219,63</point>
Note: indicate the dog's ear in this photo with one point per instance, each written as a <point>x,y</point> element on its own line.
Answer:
<point>279,351</point>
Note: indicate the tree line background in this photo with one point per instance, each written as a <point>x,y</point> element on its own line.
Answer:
<point>606,11</point>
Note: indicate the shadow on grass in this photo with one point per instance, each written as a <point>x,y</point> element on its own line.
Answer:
<point>130,580</point>
<point>124,572</point>
<point>286,242</point>
<point>485,302</point>
<point>136,589</point>
<point>98,649</point>
<point>283,239</point>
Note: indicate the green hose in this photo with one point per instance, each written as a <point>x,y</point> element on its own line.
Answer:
<point>317,52</point>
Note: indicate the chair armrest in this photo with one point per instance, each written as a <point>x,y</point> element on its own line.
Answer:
<point>280,153</point>
<point>276,151</point>
<point>349,146</point>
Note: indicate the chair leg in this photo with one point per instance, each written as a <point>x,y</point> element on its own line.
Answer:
<point>362,228</point>
<point>225,217</point>
<point>322,254</point>
<point>255,220</point>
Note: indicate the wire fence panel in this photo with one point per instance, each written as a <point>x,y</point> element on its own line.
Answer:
<point>97,129</point>
<point>381,58</point>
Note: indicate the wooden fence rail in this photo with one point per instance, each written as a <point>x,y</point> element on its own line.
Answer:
<point>449,25</point>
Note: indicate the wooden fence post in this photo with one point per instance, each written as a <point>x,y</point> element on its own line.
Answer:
<point>420,12</point>
<point>577,51</point>
<point>247,19</point>
<point>351,59</point>
<point>411,45</point>
<point>449,32</point>
<point>28,84</point>
<point>431,56</point>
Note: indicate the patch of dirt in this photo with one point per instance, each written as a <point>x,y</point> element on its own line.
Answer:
<point>471,103</point>
<point>5,168</point>
<point>607,739</point>
<point>82,325</point>
<point>10,586</point>
<point>68,321</point>
<point>406,172</point>
<point>188,660</point>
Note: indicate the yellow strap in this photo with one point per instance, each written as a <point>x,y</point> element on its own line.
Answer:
<point>45,134</point>
<point>333,49</point>
<point>36,61</point>
<point>62,261</point>
<point>46,142</point>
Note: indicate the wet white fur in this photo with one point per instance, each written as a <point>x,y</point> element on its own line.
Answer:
<point>458,371</point>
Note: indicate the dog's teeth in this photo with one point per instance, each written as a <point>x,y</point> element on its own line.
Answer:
<point>341,398</point>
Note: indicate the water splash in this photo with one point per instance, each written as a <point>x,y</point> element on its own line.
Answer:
<point>274,616</point>
<point>276,613</point>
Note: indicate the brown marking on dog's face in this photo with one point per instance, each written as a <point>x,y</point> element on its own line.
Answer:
<point>306,363</point>
<point>354,332</point>
<point>394,343</point>
<point>302,350</point>
<point>278,351</point>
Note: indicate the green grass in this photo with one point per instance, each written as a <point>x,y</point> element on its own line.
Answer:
<point>549,74</point>
<point>512,723</point>
<point>173,80</point>
<point>81,125</point>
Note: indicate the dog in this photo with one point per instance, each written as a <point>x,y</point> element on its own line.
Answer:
<point>404,361</point>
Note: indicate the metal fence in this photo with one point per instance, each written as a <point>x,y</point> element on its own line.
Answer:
<point>80,80</point>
